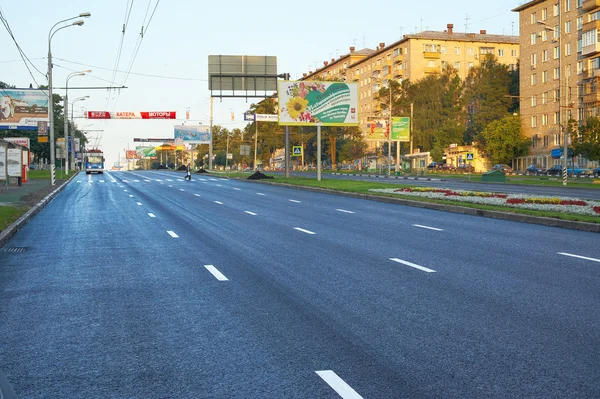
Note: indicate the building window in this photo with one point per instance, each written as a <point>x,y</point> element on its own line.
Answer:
<point>579,67</point>
<point>556,73</point>
<point>534,121</point>
<point>555,10</point>
<point>556,52</point>
<point>568,49</point>
<point>457,50</point>
<point>567,5</point>
<point>556,31</point>
<point>556,95</point>
<point>533,38</point>
<point>544,14</point>
<point>545,97</point>
<point>512,67</point>
<point>544,76</point>
<point>544,35</point>
<point>397,52</point>
<point>556,118</point>
<point>568,27</point>
<point>379,62</point>
<point>457,65</point>
<point>579,45</point>
<point>487,50</point>
<point>501,53</point>
<point>533,18</point>
<point>544,55</point>
<point>431,48</point>
<point>513,53</point>
<point>557,139</point>
<point>470,51</point>
<point>546,138</point>
<point>444,50</point>
<point>545,120</point>
<point>533,100</point>
<point>471,65</point>
<point>431,64</point>
<point>444,64</point>
<point>589,38</point>
<point>579,3</point>
<point>579,23</point>
<point>533,79</point>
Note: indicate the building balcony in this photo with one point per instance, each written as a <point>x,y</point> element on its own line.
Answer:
<point>591,98</point>
<point>397,59</point>
<point>590,73</point>
<point>430,70</point>
<point>588,26</point>
<point>591,49</point>
<point>432,54</point>
<point>588,5</point>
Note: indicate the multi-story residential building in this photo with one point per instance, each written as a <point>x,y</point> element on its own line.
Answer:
<point>555,67</point>
<point>416,56</point>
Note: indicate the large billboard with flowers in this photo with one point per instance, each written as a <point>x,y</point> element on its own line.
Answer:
<point>308,103</point>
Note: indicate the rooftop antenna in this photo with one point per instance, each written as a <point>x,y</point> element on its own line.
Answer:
<point>401,30</point>
<point>512,28</point>
<point>337,53</point>
<point>364,42</point>
<point>467,23</point>
<point>421,22</point>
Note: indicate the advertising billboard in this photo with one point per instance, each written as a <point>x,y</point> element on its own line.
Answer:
<point>132,154</point>
<point>23,108</point>
<point>401,129</point>
<point>13,162</point>
<point>145,152</point>
<point>193,134</point>
<point>312,102</point>
<point>132,115</point>
<point>23,141</point>
<point>2,163</point>
<point>377,130</point>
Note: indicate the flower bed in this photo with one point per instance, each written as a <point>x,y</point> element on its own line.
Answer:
<point>522,201</point>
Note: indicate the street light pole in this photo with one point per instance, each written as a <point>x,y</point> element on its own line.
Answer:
<point>73,109</point>
<point>66,118</point>
<point>50,101</point>
<point>390,130</point>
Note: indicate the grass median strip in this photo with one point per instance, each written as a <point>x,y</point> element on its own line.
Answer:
<point>9,214</point>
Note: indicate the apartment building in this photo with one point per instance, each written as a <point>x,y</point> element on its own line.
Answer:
<point>555,68</point>
<point>414,57</point>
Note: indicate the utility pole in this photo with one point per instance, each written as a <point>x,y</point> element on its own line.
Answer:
<point>287,140</point>
<point>255,141</point>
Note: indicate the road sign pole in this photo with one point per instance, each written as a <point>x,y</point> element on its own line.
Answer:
<point>318,152</point>
<point>255,142</point>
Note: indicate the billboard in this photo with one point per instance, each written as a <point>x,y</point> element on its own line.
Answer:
<point>377,130</point>
<point>242,73</point>
<point>310,103</point>
<point>13,162</point>
<point>193,134</point>
<point>145,152</point>
<point>132,115</point>
<point>401,129</point>
<point>23,108</point>
<point>132,154</point>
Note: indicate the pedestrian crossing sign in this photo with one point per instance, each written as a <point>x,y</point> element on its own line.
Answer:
<point>297,151</point>
<point>470,156</point>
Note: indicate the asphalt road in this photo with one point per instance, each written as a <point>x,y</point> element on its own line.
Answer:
<point>143,285</point>
<point>464,184</point>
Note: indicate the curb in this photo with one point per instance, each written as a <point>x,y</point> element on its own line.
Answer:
<point>567,224</point>
<point>391,177</point>
<point>17,225</point>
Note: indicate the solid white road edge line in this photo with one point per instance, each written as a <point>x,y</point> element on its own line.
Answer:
<point>427,227</point>
<point>250,213</point>
<point>218,275</point>
<point>304,231</point>
<point>343,210</point>
<point>412,265</point>
<point>172,234</point>
<point>340,386</point>
<point>578,256</point>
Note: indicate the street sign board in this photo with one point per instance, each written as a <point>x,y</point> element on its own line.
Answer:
<point>244,149</point>
<point>229,155</point>
<point>470,156</point>
<point>249,117</point>
<point>267,118</point>
<point>297,151</point>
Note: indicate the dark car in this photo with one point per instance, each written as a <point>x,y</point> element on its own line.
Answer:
<point>433,166</point>
<point>447,167</point>
<point>534,170</point>
<point>596,172</point>
<point>503,168</point>
<point>555,170</point>
<point>465,168</point>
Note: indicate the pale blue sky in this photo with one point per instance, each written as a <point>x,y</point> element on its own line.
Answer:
<point>182,34</point>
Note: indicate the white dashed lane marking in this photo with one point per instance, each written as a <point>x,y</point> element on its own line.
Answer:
<point>296,201</point>
<point>425,269</point>
<point>218,275</point>
<point>337,384</point>
<point>260,194</point>
<point>151,215</point>
<point>139,203</point>
<point>172,234</point>
<point>344,211</point>
<point>427,227</point>
<point>218,202</point>
<point>578,256</point>
<point>250,213</point>
<point>304,231</point>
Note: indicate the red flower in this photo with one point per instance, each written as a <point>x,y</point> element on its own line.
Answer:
<point>573,202</point>
<point>515,201</point>
<point>597,209</point>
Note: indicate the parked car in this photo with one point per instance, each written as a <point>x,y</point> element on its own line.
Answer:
<point>534,170</point>
<point>433,166</point>
<point>596,172</point>
<point>503,168</point>
<point>556,170</point>
<point>465,168</point>
<point>447,167</point>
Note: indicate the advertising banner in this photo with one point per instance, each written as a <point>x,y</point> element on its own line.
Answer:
<point>310,103</point>
<point>132,115</point>
<point>401,129</point>
<point>151,140</point>
<point>23,108</point>
<point>193,134</point>
<point>24,141</point>
<point>267,118</point>
<point>13,162</point>
<point>2,163</point>
<point>377,130</point>
<point>145,152</point>
<point>131,154</point>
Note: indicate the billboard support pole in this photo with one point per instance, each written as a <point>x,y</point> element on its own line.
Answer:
<point>210,146</point>
<point>286,76</point>
<point>319,152</point>
<point>255,142</point>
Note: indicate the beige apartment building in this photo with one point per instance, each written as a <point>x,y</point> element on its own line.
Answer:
<point>560,70</point>
<point>414,57</point>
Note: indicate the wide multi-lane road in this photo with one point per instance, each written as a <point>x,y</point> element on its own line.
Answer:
<point>143,285</point>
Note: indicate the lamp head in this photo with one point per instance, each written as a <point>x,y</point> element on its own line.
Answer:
<point>78,23</point>
<point>85,15</point>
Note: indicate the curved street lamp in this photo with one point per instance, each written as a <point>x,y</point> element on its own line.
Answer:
<point>72,124</point>
<point>66,118</point>
<point>51,33</point>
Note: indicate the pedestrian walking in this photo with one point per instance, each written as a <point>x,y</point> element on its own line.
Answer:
<point>188,170</point>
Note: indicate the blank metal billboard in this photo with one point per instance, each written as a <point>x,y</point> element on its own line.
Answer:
<point>242,73</point>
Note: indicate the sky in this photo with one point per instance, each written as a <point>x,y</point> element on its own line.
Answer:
<point>179,35</point>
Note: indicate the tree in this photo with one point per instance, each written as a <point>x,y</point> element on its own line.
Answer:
<point>270,137</point>
<point>487,96</point>
<point>504,140</point>
<point>585,140</point>
<point>352,149</point>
